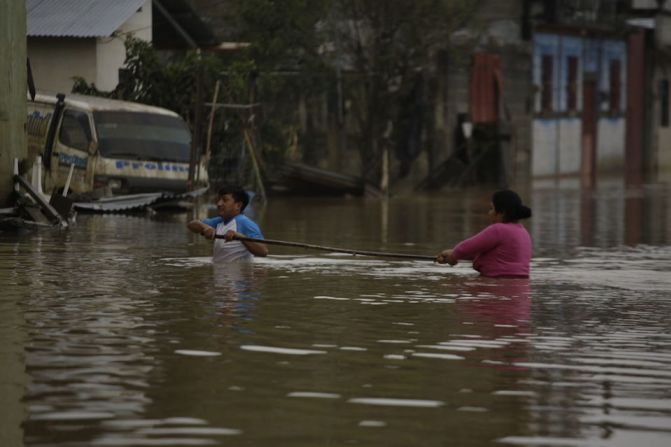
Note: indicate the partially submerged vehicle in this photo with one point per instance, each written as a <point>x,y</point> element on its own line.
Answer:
<point>102,147</point>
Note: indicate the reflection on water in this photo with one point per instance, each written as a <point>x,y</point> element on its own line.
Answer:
<point>121,332</point>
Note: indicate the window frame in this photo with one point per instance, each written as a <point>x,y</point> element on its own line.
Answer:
<point>664,102</point>
<point>547,83</point>
<point>82,118</point>
<point>572,83</point>
<point>615,86</point>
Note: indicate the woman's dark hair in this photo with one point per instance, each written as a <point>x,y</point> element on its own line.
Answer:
<point>238,194</point>
<point>509,204</point>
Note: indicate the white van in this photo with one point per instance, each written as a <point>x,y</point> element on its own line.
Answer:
<point>114,145</point>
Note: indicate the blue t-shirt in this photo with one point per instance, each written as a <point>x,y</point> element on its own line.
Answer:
<point>234,250</point>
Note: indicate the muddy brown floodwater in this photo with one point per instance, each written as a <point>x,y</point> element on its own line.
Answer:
<point>120,332</point>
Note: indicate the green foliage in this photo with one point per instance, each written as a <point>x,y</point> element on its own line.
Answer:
<point>396,47</point>
<point>372,55</point>
<point>284,34</point>
<point>385,50</point>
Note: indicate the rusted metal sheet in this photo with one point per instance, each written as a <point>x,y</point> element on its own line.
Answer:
<point>486,87</point>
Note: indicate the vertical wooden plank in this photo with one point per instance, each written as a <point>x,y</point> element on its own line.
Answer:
<point>615,85</point>
<point>547,87</point>
<point>572,84</point>
<point>587,166</point>
<point>635,108</point>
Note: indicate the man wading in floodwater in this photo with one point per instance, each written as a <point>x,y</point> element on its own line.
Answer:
<point>231,202</point>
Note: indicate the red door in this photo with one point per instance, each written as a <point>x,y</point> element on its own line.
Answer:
<point>587,166</point>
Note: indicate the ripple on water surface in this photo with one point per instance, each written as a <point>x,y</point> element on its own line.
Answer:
<point>332,347</point>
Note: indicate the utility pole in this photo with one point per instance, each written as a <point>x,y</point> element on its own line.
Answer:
<point>13,84</point>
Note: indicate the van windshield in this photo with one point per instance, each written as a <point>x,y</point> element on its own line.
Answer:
<point>142,136</point>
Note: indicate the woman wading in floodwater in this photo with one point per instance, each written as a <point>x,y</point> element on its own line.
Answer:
<point>503,249</point>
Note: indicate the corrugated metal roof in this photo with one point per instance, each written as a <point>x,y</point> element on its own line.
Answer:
<point>78,18</point>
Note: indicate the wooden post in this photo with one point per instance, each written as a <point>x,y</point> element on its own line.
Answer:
<point>197,122</point>
<point>13,84</point>
<point>386,142</point>
<point>255,163</point>
<point>384,181</point>
<point>210,126</point>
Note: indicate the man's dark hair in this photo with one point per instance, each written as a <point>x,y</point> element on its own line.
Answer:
<point>239,194</point>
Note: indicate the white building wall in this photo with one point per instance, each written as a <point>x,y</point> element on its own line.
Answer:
<point>662,153</point>
<point>660,163</point>
<point>649,5</point>
<point>610,145</point>
<point>56,60</point>
<point>111,51</point>
<point>557,147</point>
<point>570,146</point>
<point>544,158</point>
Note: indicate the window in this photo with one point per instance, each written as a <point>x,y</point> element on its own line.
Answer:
<point>546,80</point>
<point>572,84</point>
<point>142,136</point>
<point>615,85</point>
<point>664,102</point>
<point>75,130</point>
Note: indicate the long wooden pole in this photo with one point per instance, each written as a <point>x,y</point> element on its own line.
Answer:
<point>210,125</point>
<point>255,163</point>
<point>378,254</point>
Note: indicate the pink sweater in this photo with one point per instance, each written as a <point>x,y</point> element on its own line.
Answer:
<point>501,249</point>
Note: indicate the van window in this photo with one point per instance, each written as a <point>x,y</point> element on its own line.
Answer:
<point>75,130</point>
<point>142,136</point>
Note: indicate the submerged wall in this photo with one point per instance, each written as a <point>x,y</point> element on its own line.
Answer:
<point>13,88</point>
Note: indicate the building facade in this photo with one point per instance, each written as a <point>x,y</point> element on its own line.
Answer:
<point>580,103</point>
<point>86,38</point>
<point>66,40</point>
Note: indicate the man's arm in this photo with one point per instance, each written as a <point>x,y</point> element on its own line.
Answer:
<point>199,227</point>
<point>249,228</point>
<point>255,248</point>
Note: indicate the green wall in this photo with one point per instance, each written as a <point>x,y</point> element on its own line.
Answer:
<point>12,90</point>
